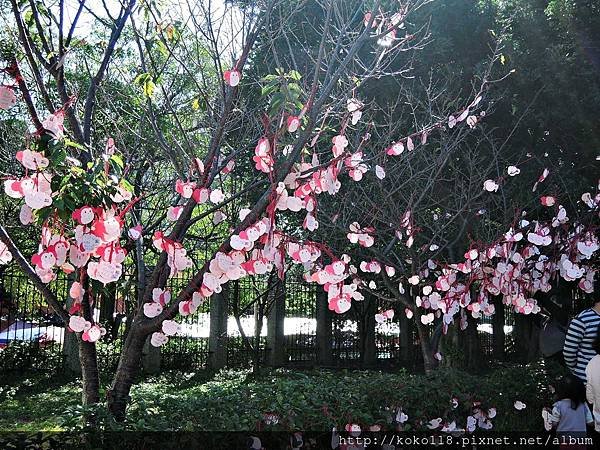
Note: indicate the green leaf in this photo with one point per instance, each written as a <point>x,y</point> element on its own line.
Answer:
<point>294,87</point>
<point>268,89</point>
<point>59,203</point>
<point>141,78</point>
<point>295,75</point>
<point>28,17</point>
<point>162,48</point>
<point>70,143</point>
<point>199,104</point>
<point>127,185</point>
<point>117,160</point>
<point>145,81</point>
<point>43,214</point>
<point>149,87</point>
<point>277,102</point>
<point>59,156</point>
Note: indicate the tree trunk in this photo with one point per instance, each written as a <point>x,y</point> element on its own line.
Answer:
<point>448,345</point>
<point>429,362</point>
<point>129,366</point>
<point>87,351</point>
<point>89,371</point>
<point>71,343</point>
<point>151,357</point>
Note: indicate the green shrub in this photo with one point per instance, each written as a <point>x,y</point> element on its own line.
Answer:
<point>21,355</point>
<point>310,400</point>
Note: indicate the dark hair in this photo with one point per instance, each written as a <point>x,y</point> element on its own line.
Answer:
<point>571,388</point>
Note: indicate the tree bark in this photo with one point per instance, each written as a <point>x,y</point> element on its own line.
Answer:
<point>87,350</point>
<point>151,357</point>
<point>429,362</point>
<point>89,371</point>
<point>71,343</point>
<point>128,368</point>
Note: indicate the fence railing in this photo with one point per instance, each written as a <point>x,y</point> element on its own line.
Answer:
<point>288,324</point>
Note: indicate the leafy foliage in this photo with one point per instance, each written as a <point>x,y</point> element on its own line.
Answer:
<point>312,400</point>
<point>20,356</point>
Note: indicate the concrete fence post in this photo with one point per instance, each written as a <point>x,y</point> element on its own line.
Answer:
<point>217,341</point>
<point>405,337</point>
<point>324,332</point>
<point>498,334</point>
<point>369,352</point>
<point>275,323</point>
<point>70,347</point>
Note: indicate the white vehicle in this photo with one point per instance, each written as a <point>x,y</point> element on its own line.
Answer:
<point>28,332</point>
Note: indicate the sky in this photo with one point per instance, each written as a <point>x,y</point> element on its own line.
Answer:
<point>227,20</point>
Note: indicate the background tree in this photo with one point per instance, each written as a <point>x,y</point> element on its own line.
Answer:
<point>160,104</point>
<point>171,57</point>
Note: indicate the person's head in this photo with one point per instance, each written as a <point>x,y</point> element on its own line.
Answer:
<point>571,388</point>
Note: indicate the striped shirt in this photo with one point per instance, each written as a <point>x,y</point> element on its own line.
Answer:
<point>578,344</point>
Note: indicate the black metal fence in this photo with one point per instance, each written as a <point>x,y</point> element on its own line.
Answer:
<point>31,336</point>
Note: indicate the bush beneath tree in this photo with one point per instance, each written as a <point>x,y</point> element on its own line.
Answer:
<point>312,400</point>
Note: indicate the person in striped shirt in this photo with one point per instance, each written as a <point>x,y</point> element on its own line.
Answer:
<point>579,342</point>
